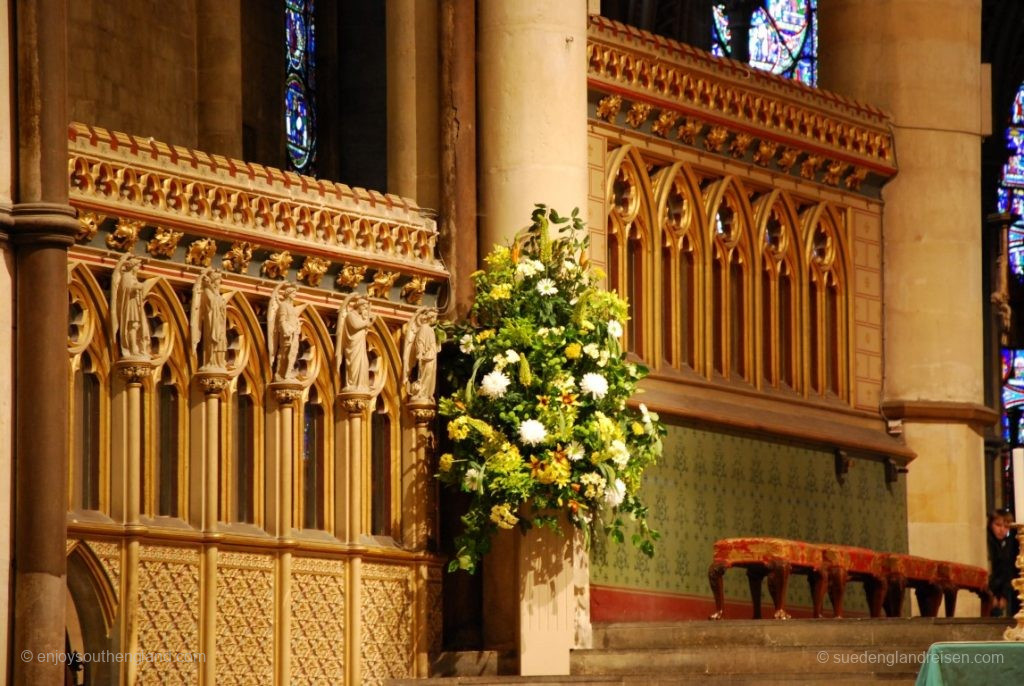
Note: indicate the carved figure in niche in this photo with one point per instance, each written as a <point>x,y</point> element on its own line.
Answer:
<point>421,341</point>
<point>127,309</point>
<point>354,320</point>
<point>209,319</point>
<point>283,332</point>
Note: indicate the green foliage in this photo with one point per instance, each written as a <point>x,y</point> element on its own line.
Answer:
<point>540,417</point>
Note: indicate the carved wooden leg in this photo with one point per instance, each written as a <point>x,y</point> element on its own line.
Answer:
<point>986,602</point>
<point>817,580</point>
<point>754,576</point>
<point>894,595</point>
<point>778,581</point>
<point>715,573</point>
<point>929,597</point>
<point>836,589</point>
<point>949,594</point>
<point>874,589</point>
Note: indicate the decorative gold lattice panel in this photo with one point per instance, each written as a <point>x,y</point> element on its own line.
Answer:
<point>318,621</point>
<point>387,622</point>
<point>109,555</point>
<point>168,614</point>
<point>245,618</point>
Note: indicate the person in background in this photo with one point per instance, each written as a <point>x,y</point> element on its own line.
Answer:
<point>1003,550</point>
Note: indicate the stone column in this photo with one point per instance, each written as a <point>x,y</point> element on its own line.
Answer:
<point>920,61</point>
<point>412,99</point>
<point>134,373</point>
<point>419,517</point>
<point>213,384</point>
<point>532,117</point>
<point>354,405</point>
<point>219,65</point>
<point>287,394</point>
<point>43,228</point>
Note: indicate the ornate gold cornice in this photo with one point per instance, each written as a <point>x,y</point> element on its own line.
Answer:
<point>655,85</point>
<point>146,183</point>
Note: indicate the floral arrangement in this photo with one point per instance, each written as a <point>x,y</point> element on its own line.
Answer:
<point>539,422</point>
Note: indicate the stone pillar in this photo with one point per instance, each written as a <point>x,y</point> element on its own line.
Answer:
<point>419,517</point>
<point>134,373</point>
<point>6,344</point>
<point>354,405</point>
<point>412,98</point>
<point>532,98</point>
<point>532,117</point>
<point>43,228</point>
<point>213,384</point>
<point>920,61</point>
<point>219,66</point>
<point>288,394</point>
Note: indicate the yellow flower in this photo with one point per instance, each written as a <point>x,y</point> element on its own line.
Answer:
<point>458,429</point>
<point>573,351</point>
<point>503,517</point>
<point>446,462</point>
<point>484,335</point>
<point>637,428</point>
<point>502,291</point>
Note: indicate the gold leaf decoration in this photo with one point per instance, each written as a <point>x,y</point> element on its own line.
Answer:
<point>200,252</point>
<point>765,152</point>
<point>809,167</point>
<point>690,130</point>
<point>716,138</point>
<point>739,145</point>
<point>277,265</point>
<point>787,159</point>
<point>382,283</point>
<point>164,242</point>
<point>412,292</point>
<point>313,270</point>
<point>350,276</point>
<point>238,257</point>
<point>125,234</point>
<point>856,178</point>
<point>608,107</point>
<point>664,123</point>
<point>88,225</point>
<point>834,171</point>
<point>638,114</point>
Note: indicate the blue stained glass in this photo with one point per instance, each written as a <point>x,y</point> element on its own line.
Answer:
<point>783,38</point>
<point>1017,113</point>
<point>299,100</point>
<point>1002,200</point>
<point>1016,249</point>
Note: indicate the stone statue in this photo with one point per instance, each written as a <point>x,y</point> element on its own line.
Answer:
<point>209,320</point>
<point>127,309</point>
<point>421,341</point>
<point>283,332</point>
<point>354,320</point>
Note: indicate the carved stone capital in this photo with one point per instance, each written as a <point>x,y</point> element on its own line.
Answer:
<point>423,413</point>
<point>212,382</point>
<point>134,371</point>
<point>355,402</point>
<point>286,393</point>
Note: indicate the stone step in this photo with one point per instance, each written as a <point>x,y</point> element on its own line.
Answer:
<point>898,660</point>
<point>860,679</point>
<point>798,632</point>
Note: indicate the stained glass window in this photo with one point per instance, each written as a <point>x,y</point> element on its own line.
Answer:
<point>783,38</point>
<point>300,82</point>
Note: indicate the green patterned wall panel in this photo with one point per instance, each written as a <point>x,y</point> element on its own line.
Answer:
<point>711,485</point>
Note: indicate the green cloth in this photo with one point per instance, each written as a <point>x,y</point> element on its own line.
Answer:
<point>985,664</point>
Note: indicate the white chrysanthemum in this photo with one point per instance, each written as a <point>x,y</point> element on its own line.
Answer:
<point>614,328</point>
<point>594,384</point>
<point>546,287</point>
<point>494,384</point>
<point>569,266</point>
<point>619,453</point>
<point>529,267</point>
<point>532,432</point>
<point>466,344</point>
<point>592,350</point>
<point>511,356</point>
<point>615,493</point>
<point>574,451</point>
<point>472,479</point>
